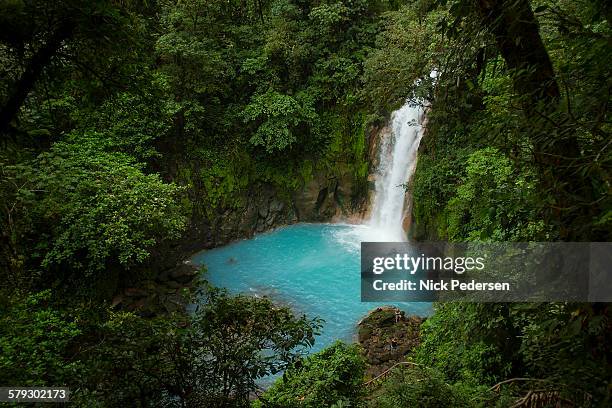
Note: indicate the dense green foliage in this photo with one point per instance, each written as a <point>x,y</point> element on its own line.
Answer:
<point>331,377</point>
<point>109,358</point>
<point>419,387</point>
<point>37,336</point>
<point>127,125</point>
<point>503,162</point>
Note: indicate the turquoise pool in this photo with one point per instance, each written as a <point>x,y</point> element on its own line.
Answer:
<point>313,268</point>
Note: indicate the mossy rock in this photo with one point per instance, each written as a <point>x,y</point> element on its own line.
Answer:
<point>387,336</point>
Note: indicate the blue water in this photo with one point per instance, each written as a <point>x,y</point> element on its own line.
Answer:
<point>313,268</point>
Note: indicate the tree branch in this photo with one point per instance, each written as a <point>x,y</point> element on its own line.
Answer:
<point>37,63</point>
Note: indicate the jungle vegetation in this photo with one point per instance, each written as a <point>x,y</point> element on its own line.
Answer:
<point>124,122</point>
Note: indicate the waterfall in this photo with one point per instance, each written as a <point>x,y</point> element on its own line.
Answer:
<point>397,154</point>
<point>397,161</point>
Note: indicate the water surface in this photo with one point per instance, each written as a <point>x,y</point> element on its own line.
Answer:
<point>313,268</point>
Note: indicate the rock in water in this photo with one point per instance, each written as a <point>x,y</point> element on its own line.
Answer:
<point>387,336</point>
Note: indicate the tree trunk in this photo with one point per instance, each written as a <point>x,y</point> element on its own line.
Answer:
<point>20,90</point>
<point>517,34</point>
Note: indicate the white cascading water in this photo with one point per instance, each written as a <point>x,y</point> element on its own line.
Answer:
<point>397,162</point>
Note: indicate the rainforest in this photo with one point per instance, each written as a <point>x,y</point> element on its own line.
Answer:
<point>185,186</point>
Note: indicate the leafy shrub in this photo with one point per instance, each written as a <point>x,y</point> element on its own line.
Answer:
<point>492,201</point>
<point>278,117</point>
<point>35,341</point>
<point>415,387</point>
<point>469,343</point>
<point>97,207</point>
<point>333,375</point>
<point>211,358</point>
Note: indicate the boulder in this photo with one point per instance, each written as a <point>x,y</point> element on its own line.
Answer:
<point>387,336</point>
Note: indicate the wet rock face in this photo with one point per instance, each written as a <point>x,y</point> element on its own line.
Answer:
<point>387,336</point>
<point>322,199</point>
<point>326,199</point>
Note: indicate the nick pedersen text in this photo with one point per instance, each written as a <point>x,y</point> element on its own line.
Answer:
<point>439,285</point>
